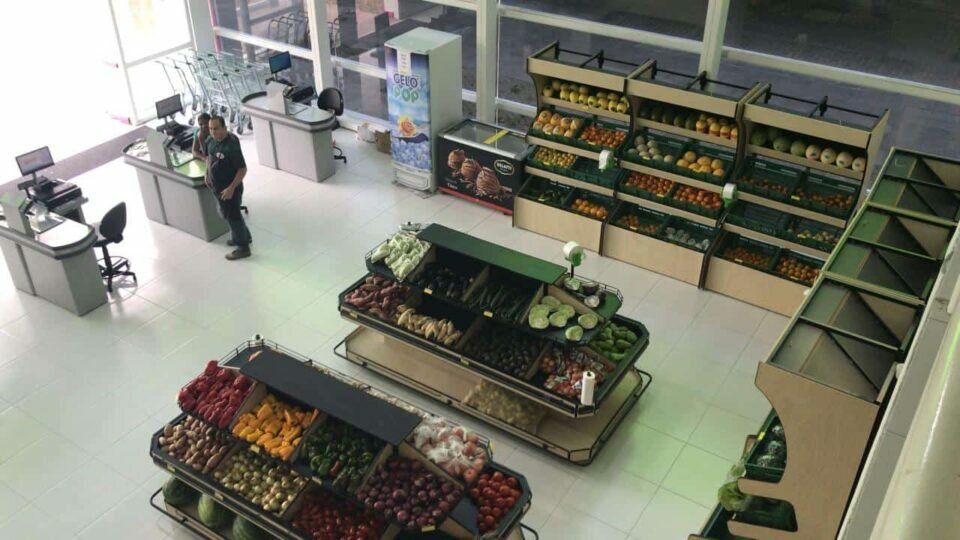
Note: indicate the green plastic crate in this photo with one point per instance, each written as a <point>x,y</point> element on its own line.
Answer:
<point>772,514</point>
<point>812,233</point>
<point>713,152</point>
<point>917,197</point>
<point>536,187</point>
<point>588,171</point>
<point>758,218</point>
<point>560,139</point>
<point>696,231</point>
<point>647,218</point>
<point>532,161</point>
<point>760,472</point>
<point>669,145</point>
<point>733,241</point>
<point>595,147</point>
<point>607,202</point>
<point>784,253</point>
<point>712,213</point>
<point>642,193</point>
<point>768,179</point>
<point>832,187</point>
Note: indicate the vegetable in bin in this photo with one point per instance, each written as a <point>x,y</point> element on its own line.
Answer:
<point>340,452</point>
<point>378,296</point>
<point>401,253</point>
<point>613,341</point>
<point>440,331</point>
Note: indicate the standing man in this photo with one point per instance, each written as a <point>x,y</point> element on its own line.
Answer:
<point>200,136</point>
<point>225,171</point>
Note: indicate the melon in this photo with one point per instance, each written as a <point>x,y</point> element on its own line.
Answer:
<point>178,493</point>
<point>212,514</point>
<point>781,144</point>
<point>244,530</point>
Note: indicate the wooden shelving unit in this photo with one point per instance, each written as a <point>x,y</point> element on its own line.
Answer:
<point>572,182</point>
<point>673,177</point>
<point>834,367</point>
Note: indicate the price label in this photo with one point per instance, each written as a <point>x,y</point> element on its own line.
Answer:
<point>794,197</point>
<point>171,469</point>
<point>254,448</point>
<point>632,228</point>
<point>427,529</point>
<point>464,361</point>
<point>428,291</point>
<point>488,314</point>
<point>761,436</point>
<point>217,495</point>
<point>738,261</point>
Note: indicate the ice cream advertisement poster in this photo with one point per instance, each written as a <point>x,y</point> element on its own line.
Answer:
<point>408,98</point>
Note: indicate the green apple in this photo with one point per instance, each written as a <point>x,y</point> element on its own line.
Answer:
<point>781,144</point>
<point>798,148</point>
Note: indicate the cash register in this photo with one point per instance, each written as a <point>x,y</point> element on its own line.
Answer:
<point>55,196</point>
<point>299,96</point>
<point>181,136</point>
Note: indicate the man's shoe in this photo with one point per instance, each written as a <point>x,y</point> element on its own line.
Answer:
<point>238,254</point>
<point>231,243</point>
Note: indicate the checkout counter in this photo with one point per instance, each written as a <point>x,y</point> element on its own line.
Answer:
<point>49,255</point>
<point>172,187</point>
<point>292,137</point>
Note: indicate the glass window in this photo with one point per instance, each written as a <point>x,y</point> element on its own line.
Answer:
<point>363,93</point>
<point>520,39</point>
<point>150,83</point>
<point>907,39</point>
<point>300,74</point>
<point>359,28</point>
<point>279,20</point>
<point>147,27</point>
<point>513,120</point>
<point>927,126</point>
<point>681,18</point>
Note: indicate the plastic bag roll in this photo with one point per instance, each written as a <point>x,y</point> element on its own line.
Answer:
<point>586,390</point>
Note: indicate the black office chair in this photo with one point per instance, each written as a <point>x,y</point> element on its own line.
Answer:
<point>332,100</point>
<point>110,231</point>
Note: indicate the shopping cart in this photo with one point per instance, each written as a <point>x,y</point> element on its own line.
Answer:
<point>292,28</point>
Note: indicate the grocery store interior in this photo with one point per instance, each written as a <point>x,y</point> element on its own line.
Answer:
<point>623,270</point>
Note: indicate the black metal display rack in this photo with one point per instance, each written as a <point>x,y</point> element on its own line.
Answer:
<point>560,424</point>
<point>298,379</point>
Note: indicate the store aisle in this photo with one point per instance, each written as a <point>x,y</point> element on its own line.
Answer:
<point>79,398</point>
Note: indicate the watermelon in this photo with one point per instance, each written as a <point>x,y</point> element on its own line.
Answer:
<point>178,493</point>
<point>244,530</point>
<point>212,514</point>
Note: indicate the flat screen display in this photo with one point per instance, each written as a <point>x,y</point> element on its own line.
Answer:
<point>280,62</point>
<point>169,106</point>
<point>34,161</point>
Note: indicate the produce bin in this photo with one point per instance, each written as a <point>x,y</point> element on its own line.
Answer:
<point>656,253</point>
<point>677,202</point>
<point>826,194</point>
<point>757,471</point>
<point>768,179</point>
<point>912,235</point>
<point>667,144</point>
<point>797,267</point>
<point>535,161</point>
<point>588,171</point>
<point>927,168</point>
<point>546,192</point>
<point>559,223</point>
<point>687,234</point>
<point>730,274</point>
<point>646,194</point>
<point>638,219</point>
<point>605,127</point>
<point>482,163</point>
<point>900,272</point>
<point>777,515</point>
<point>716,526</point>
<point>537,131</point>
<point>811,233</point>
<point>758,218</point>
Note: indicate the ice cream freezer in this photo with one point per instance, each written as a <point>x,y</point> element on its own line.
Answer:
<point>482,163</point>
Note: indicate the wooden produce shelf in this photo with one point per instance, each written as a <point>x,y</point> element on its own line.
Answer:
<point>792,246</point>
<point>688,91</point>
<point>668,128</point>
<point>560,224</point>
<point>577,440</point>
<point>657,255</point>
<point>188,517</point>
<point>583,109</point>
<point>673,177</point>
<point>804,162</point>
<point>663,207</point>
<point>791,209</point>
<point>566,180</point>
<point>754,286</point>
<point>547,63</point>
<point>569,148</point>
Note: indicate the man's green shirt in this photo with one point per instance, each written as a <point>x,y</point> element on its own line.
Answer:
<point>224,159</point>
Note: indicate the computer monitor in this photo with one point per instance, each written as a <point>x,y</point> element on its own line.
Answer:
<point>169,106</point>
<point>280,62</point>
<point>34,161</point>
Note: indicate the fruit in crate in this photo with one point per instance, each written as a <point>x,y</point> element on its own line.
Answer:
<point>440,331</point>
<point>705,199</point>
<point>324,517</point>
<point>747,256</point>
<point>589,208</point>
<point>836,200</point>
<point>781,144</point>
<point>633,222</point>
<point>504,349</point>
<point>178,493</point>
<point>613,341</point>
<point>586,96</point>
<point>798,148</point>
<point>844,160</point>
<point>824,237</point>
<point>269,485</point>
<point>649,149</point>
<point>215,395</point>
<point>198,445</point>
<point>555,158</point>
<point>595,135</point>
<point>274,426</point>
<point>402,252</point>
<point>453,448</point>
<point>495,495</point>
<point>703,164</point>
<point>442,280</point>
<point>812,152</point>
<point>404,490</point>
<point>564,368</point>
<point>683,237</point>
<point>796,269</point>
<point>505,301</point>
<point>647,182</point>
<point>378,296</point>
<point>859,164</point>
<point>552,195</point>
<point>828,156</point>
<point>340,452</point>
<point>763,184</point>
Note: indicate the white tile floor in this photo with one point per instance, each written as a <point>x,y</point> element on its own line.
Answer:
<point>79,398</point>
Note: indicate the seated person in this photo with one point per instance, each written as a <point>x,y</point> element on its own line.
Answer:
<point>200,136</point>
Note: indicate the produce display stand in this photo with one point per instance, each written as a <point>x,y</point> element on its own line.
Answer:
<point>834,367</point>
<point>561,424</point>
<point>795,203</point>
<point>296,379</point>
